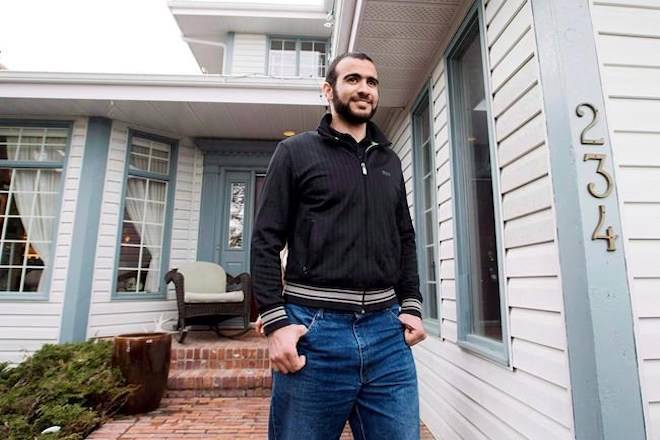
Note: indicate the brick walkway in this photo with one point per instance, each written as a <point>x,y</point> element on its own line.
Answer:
<point>220,418</point>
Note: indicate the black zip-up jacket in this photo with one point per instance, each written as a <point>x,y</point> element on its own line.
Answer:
<point>341,207</point>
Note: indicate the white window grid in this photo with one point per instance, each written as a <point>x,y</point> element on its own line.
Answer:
<point>152,152</point>
<point>7,217</point>
<point>306,58</point>
<point>140,226</point>
<point>44,144</point>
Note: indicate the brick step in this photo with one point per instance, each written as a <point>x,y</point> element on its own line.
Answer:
<point>208,382</point>
<point>249,352</point>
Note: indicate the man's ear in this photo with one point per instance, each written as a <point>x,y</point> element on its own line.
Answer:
<point>326,89</point>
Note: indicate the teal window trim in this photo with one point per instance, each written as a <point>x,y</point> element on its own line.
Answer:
<point>48,273</point>
<point>161,294</point>
<point>424,98</point>
<point>298,40</point>
<point>496,351</point>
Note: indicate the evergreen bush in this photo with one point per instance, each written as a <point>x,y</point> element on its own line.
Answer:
<point>69,385</point>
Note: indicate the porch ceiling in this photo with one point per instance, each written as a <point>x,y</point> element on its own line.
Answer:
<point>402,36</point>
<point>181,119</point>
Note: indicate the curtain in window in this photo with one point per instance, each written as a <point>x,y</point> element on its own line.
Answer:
<point>149,217</point>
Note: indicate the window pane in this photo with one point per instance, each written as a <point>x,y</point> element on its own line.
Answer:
<point>307,45</point>
<point>276,44</point>
<point>479,244</point>
<point>12,254</point>
<point>289,45</point>
<point>312,59</point>
<point>236,215</point>
<point>432,296</point>
<point>129,256</point>
<point>428,191</point>
<point>430,259</point>
<point>32,279</point>
<point>127,281</point>
<point>429,227</point>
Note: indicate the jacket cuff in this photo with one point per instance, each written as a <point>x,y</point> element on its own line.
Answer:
<point>274,318</point>
<point>412,306</point>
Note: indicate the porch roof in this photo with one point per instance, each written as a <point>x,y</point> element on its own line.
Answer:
<point>178,105</point>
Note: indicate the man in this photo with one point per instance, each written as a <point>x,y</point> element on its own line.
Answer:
<point>340,329</point>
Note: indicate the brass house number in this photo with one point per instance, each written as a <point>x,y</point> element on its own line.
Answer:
<point>598,233</point>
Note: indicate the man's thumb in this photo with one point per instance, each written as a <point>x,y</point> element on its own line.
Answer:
<point>302,330</point>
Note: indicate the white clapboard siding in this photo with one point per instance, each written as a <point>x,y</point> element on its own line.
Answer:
<point>26,326</point>
<point>249,54</point>
<point>628,44</point>
<point>110,317</point>
<point>463,395</point>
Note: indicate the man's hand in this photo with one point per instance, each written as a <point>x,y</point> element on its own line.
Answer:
<point>282,348</point>
<point>259,326</point>
<point>414,329</point>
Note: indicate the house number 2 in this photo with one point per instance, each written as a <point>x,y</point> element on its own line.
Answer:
<point>598,233</point>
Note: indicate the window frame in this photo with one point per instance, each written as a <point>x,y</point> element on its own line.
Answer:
<point>161,294</point>
<point>424,98</point>
<point>477,344</point>
<point>12,296</point>
<point>298,40</point>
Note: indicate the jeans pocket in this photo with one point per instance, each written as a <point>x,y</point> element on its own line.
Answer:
<point>307,316</point>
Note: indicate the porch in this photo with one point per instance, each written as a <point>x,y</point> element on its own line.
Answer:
<point>218,388</point>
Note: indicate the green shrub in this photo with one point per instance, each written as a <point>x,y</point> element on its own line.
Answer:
<point>70,385</point>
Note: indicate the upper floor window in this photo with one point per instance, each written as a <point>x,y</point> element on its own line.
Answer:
<point>297,57</point>
<point>146,217</point>
<point>31,164</point>
<point>476,195</point>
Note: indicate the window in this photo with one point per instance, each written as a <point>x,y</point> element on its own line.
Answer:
<point>146,217</point>
<point>31,164</point>
<point>425,204</point>
<point>476,195</point>
<point>297,57</point>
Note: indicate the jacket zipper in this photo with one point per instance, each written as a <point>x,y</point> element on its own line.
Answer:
<point>363,165</point>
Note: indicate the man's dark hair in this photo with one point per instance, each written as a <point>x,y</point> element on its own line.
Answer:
<point>331,75</point>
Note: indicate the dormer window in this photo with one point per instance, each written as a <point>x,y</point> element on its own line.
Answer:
<point>297,57</point>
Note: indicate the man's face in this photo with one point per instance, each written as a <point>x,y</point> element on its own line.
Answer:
<point>355,95</point>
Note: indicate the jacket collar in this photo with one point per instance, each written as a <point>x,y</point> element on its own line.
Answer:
<point>373,132</point>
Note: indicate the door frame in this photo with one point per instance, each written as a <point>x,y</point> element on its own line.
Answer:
<point>221,156</point>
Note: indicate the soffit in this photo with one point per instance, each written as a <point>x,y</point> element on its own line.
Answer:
<point>181,119</point>
<point>402,36</point>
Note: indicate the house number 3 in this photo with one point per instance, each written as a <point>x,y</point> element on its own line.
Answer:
<point>597,234</point>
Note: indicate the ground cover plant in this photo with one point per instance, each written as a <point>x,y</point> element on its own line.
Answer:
<point>72,386</point>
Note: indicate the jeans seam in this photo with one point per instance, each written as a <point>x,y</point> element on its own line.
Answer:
<point>359,417</point>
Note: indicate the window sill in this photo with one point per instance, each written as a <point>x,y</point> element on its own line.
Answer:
<point>486,348</point>
<point>23,297</point>
<point>123,296</point>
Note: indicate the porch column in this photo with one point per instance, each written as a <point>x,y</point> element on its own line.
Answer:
<point>605,385</point>
<point>78,291</point>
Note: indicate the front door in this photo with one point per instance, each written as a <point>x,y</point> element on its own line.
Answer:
<point>240,201</point>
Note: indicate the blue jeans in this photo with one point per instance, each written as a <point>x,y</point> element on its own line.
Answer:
<point>358,368</point>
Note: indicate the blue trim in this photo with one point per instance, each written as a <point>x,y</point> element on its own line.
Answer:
<point>47,276</point>
<point>229,56</point>
<point>607,400</point>
<point>497,351</point>
<point>221,155</point>
<point>167,226</point>
<point>424,98</point>
<point>77,297</point>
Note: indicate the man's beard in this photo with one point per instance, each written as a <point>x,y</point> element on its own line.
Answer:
<point>343,109</point>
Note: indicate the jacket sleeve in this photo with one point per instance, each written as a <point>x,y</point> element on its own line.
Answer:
<point>407,288</point>
<point>269,236</point>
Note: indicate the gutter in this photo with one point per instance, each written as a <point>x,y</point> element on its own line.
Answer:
<point>209,80</point>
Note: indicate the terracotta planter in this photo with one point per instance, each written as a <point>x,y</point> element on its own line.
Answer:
<point>144,359</point>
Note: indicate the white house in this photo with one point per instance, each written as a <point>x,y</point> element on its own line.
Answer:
<point>530,140</point>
